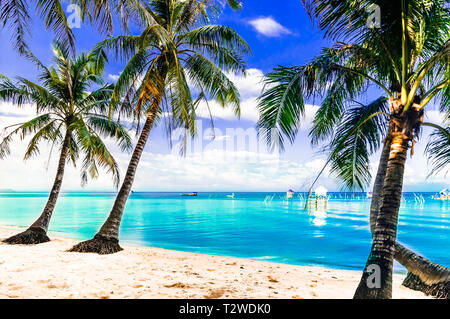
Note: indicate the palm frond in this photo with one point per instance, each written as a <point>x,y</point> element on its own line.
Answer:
<point>96,153</point>
<point>49,133</point>
<point>213,81</point>
<point>222,43</point>
<point>23,129</point>
<point>109,128</point>
<point>281,106</point>
<point>15,14</point>
<point>54,17</point>
<point>438,151</point>
<point>358,135</point>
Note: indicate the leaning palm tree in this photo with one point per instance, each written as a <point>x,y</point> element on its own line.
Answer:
<point>363,130</point>
<point>407,59</point>
<point>71,116</point>
<point>177,49</point>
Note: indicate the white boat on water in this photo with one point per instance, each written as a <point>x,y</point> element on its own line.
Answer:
<point>231,195</point>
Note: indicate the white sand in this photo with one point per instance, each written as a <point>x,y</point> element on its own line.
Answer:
<point>48,271</point>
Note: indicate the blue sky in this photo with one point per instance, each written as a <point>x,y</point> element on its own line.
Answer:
<point>279,33</point>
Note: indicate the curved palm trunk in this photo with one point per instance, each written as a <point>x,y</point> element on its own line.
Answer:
<point>376,281</point>
<point>37,232</point>
<point>106,241</point>
<point>423,274</point>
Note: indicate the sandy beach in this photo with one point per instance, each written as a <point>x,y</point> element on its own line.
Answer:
<point>48,271</point>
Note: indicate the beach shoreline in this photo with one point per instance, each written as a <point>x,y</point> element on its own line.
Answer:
<point>48,271</point>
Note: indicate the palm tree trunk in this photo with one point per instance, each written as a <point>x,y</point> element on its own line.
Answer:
<point>37,232</point>
<point>106,241</point>
<point>376,281</point>
<point>378,185</point>
<point>423,274</point>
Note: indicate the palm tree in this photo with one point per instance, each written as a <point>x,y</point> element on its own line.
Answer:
<point>175,47</point>
<point>407,59</point>
<point>71,117</point>
<point>356,137</point>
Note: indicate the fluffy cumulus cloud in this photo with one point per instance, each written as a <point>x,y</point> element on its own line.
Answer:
<point>250,87</point>
<point>268,27</point>
<point>113,77</point>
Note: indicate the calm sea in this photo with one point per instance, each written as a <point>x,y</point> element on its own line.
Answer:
<point>260,226</point>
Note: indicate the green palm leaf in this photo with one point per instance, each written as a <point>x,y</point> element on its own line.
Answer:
<point>438,151</point>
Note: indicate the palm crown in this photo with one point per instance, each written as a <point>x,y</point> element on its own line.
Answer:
<point>68,110</point>
<point>415,70</point>
<point>175,52</point>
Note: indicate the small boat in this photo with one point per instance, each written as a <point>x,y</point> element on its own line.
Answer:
<point>190,194</point>
<point>231,196</point>
<point>369,195</point>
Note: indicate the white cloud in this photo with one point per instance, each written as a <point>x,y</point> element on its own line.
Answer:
<point>251,85</point>
<point>268,27</point>
<point>250,88</point>
<point>113,77</point>
<point>435,117</point>
<point>316,164</point>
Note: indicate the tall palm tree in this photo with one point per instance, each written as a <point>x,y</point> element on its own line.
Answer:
<point>356,137</point>
<point>71,116</point>
<point>406,58</point>
<point>177,48</point>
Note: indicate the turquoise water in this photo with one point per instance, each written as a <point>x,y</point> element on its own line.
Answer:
<point>259,226</point>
